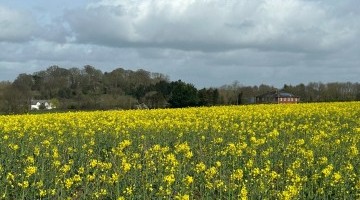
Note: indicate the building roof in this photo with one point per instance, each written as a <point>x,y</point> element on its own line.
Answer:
<point>279,94</point>
<point>285,94</point>
<point>33,102</point>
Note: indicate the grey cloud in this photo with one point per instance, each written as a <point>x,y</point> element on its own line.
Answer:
<point>291,25</point>
<point>56,32</point>
<point>22,26</point>
<point>208,43</point>
<point>103,25</point>
<point>16,26</point>
<point>55,52</point>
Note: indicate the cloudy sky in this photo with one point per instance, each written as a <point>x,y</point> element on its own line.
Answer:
<point>204,42</point>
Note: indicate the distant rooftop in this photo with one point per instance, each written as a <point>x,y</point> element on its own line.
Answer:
<point>277,94</point>
<point>40,101</point>
<point>285,94</point>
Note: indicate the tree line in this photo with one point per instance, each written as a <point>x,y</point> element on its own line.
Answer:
<point>312,92</point>
<point>89,88</point>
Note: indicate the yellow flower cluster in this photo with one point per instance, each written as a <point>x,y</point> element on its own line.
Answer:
<point>302,151</point>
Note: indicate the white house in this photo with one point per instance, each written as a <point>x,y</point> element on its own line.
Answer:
<point>37,104</point>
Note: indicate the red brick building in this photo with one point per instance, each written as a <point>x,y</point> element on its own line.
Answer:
<point>277,97</point>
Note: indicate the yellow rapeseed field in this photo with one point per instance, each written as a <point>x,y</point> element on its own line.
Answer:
<point>302,151</point>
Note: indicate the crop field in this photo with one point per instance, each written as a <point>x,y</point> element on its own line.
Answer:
<point>300,151</point>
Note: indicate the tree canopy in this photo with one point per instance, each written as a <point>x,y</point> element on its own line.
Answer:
<point>89,88</point>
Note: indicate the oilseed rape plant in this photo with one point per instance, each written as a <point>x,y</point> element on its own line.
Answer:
<point>302,151</point>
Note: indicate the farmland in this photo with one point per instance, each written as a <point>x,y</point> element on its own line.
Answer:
<point>301,151</point>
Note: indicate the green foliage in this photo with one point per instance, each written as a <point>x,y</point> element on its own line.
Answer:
<point>183,95</point>
<point>91,89</point>
<point>208,97</point>
<point>42,106</point>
